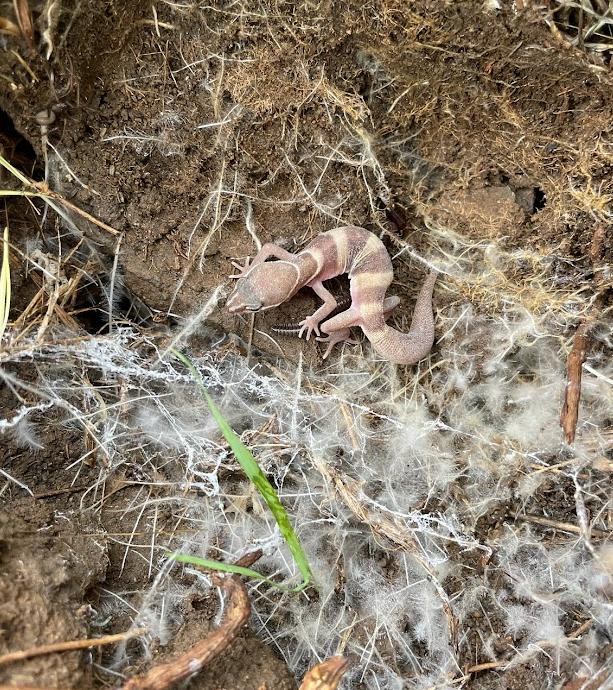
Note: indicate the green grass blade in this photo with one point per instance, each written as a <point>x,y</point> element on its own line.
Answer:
<point>258,478</point>
<point>5,283</point>
<point>230,568</point>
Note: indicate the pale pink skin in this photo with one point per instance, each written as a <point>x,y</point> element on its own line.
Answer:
<point>363,256</point>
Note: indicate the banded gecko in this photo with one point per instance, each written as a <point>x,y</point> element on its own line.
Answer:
<point>263,285</point>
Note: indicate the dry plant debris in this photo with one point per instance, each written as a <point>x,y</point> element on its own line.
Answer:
<point>236,614</point>
<point>587,24</point>
<point>325,676</point>
<point>55,647</point>
<point>24,20</point>
<point>572,392</point>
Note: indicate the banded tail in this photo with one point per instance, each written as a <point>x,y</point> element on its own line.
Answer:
<point>405,348</point>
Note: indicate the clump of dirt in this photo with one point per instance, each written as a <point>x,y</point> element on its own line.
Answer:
<point>49,562</point>
<point>486,213</point>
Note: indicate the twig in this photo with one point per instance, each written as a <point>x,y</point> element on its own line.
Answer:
<point>113,276</point>
<point>237,613</point>
<point>486,666</point>
<point>572,394</point>
<point>45,192</point>
<point>71,645</point>
<point>162,676</point>
<point>59,492</point>
<point>327,675</point>
<point>563,526</point>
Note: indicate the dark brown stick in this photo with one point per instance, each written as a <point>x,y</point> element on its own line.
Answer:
<point>162,676</point>
<point>572,394</point>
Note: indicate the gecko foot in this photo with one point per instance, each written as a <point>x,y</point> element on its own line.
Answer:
<point>309,325</point>
<point>241,269</point>
<point>340,336</point>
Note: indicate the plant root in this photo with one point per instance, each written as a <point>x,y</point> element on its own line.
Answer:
<point>164,675</point>
<point>327,675</point>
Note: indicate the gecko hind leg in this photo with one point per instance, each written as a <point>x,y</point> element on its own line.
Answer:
<point>338,328</point>
<point>351,317</point>
<point>341,335</point>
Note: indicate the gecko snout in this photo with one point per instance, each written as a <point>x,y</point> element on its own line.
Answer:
<point>241,301</point>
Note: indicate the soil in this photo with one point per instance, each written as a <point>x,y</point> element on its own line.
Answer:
<point>193,130</point>
<point>49,560</point>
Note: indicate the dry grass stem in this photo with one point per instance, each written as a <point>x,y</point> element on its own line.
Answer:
<point>565,526</point>
<point>70,646</point>
<point>24,19</point>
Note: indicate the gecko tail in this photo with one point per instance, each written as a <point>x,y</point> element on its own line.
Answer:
<point>408,348</point>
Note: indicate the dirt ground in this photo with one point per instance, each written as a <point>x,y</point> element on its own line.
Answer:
<point>196,131</point>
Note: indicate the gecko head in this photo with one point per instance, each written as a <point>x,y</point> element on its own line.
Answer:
<point>264,286</point>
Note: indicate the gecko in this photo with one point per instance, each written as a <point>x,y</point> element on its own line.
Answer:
<point>263,285</point>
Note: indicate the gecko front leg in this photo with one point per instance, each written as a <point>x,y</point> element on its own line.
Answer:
<point>267,251</point>
<point>311,323</point>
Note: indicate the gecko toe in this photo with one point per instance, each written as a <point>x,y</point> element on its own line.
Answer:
<point>310,326</point>
<point>328,351</point>
<point>241,268</point>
